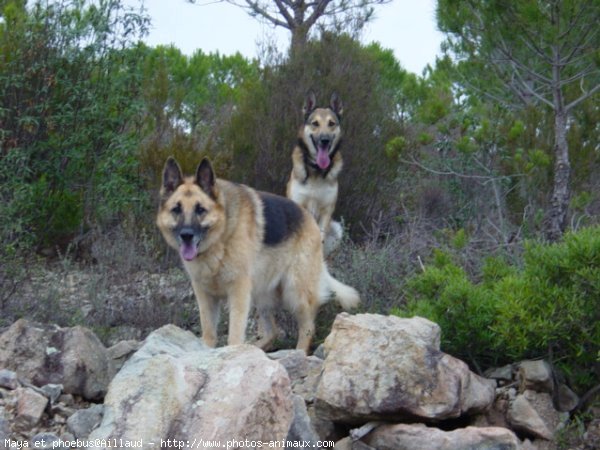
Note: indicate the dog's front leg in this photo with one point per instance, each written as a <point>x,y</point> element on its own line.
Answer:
<point>240,295</point>
<point>209,314</point>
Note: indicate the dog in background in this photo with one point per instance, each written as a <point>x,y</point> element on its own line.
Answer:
<point>240,245</point>
<point>317,162</point>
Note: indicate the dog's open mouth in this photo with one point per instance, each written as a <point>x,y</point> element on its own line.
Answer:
<point>323,159</point>
<point>188,244</point>
<point>188,251</point>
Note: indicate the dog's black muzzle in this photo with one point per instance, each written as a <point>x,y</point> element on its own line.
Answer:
<point>190,235</point>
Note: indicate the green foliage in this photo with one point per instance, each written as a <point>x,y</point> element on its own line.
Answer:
<point>188,103</point>
<point>546,308</point>
<point>67,92</point>
<point>264,129</point>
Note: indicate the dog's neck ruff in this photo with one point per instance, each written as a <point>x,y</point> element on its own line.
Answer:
<point>312,166</point>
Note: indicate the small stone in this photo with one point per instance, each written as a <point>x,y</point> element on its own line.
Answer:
<point>536,375</point>
<point>348,444</point>
<point>4,429</point>
<point>84,421</point>
<point>319,352</point>
<point>67,437</point>
<point>294,362</point>
<point>301,429</point>
<point>30,407</point>
<point>62,410</point>
<point>66,399</point>
<point>52,391</point>
<point>8,379</point>
<point>566,399</point>
<point>121,351</point>
<point>501,374</point>
<point>44,440</point>
<point>524,418</point>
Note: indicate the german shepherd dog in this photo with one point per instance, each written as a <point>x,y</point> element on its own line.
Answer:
<point>317,162</point>
<point>238,245</point>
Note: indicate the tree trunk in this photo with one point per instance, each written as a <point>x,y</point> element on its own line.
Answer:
<point>299,39</point>
<point>559,204</point>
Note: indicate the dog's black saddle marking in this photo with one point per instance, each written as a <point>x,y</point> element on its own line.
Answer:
<point>283,218</point>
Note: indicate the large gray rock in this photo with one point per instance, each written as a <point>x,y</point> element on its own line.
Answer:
<point>421,437</point>
<point>43,354</point>
<point>176,388</point>
<point>388,368</point>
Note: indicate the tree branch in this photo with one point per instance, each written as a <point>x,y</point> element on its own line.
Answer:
<point>582,98</point>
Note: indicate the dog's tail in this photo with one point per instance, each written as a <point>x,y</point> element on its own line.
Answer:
<point>345,295</point>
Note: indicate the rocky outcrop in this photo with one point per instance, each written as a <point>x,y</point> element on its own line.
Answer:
<point>176,388</point>
<point>42,354</point>
<point>379,382</point>
<point>389,368</point>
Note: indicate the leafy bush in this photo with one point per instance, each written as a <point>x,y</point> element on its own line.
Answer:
<point>67,99</point>
<point>546,308</point>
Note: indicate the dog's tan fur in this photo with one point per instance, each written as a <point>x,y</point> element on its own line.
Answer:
<point>311,185</point>
<point>239,245</point>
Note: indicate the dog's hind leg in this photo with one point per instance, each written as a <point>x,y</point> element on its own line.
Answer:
<point>267,326</point>
<point>305,316</point>
<point>304,304</point>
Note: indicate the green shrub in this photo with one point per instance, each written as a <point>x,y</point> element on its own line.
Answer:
<point>548,308</point>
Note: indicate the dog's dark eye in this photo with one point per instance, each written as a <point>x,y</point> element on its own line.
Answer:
<point>176,209</point>
<point>331,123</point>
<point>315,123</point>
<point>199,209</point>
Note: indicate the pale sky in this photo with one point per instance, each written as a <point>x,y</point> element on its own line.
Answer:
<point>405,26</point>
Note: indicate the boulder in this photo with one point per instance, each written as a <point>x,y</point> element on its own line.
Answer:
<point>388,368</point>
<point>43,354</point>
<point>175,388</point>
<point>421,437</point>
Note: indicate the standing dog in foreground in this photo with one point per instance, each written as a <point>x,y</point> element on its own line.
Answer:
<point>241,245</point>
<point>317,162</point>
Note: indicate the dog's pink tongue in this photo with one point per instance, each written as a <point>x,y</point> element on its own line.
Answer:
<point>322,158</point>
<point>188,251</point>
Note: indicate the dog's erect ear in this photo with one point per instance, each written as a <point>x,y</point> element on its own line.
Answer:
<point>205,178</point>
<point>172,177</point>
<point>310,103</point>
<point>336,104</point>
